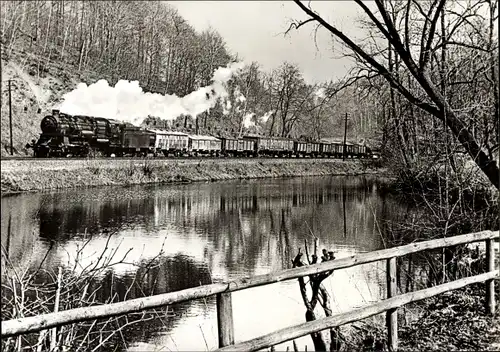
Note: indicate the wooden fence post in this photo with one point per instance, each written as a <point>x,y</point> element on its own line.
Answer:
<point>392,314</point>
<point>225,325</point>
<point>490,284</point>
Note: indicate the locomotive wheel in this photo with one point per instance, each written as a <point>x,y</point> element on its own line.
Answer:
<point>85,151</point>
<point>41,153</point>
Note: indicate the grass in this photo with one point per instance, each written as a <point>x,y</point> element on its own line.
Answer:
<point>36,175</point>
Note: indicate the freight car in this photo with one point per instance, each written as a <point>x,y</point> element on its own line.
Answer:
<point>237,147</point>
<point>303,149</point>
<point>355,150</point>
<point>204,145</point>
<point>170,142</point>
<point>137,142</point>
<point>272,146</point>
<point>329,150</point>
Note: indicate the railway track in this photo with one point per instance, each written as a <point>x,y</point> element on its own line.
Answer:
<point>30,158</point>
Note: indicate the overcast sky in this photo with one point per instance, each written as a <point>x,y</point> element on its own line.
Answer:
<point>254,30</point>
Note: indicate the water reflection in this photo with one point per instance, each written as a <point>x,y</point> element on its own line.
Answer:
<point>202,233</point>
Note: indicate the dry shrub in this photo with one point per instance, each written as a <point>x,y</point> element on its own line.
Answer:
<point>34,292</point>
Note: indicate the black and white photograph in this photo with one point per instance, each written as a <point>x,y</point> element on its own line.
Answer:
<point>268,176</point>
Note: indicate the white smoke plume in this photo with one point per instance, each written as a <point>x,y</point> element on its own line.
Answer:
<point>126,101</point>
<point>266,116</point>
<point>248,120</point>
<point>238,96</point>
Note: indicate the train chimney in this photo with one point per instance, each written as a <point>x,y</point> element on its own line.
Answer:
<point>55,112</point>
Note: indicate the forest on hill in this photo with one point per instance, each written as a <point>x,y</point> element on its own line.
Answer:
<point>150,42</point>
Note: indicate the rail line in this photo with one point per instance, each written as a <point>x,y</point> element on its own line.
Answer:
<point>31,158</point>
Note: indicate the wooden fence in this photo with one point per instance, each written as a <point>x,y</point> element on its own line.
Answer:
<point>223,291</point>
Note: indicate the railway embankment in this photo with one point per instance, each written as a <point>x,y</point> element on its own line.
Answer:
<point>41,175</point>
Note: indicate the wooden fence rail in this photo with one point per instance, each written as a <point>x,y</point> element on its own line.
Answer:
<point>223,291</point>
<point>304,329</point>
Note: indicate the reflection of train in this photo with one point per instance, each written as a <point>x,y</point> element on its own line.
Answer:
<point>67,135</point>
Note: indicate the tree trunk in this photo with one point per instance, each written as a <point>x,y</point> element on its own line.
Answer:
<point>421,75</point>
<point>493,68</point>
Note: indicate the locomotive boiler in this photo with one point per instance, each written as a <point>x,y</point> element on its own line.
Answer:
<point>63,135</point>
<point>74,135</point>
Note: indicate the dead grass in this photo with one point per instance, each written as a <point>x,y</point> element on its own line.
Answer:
<point>453,321</point>
<point>38,175</point>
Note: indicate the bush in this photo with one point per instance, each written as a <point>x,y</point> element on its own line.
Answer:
<point>33,293</point>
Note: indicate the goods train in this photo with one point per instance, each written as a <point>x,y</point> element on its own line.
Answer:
<point>65,135</point>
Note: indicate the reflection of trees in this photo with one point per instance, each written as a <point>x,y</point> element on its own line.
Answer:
<point>61,223</point>
<point>167,274</point>
<point>244,221</point>
<point>152,277</point>
<point>205,208</point>
<point>18,237</point>
<point>244,228</point>
<point>159,276</point>
<point>284,239</point>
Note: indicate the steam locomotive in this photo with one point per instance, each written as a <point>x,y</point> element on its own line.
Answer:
<point>66,135</point>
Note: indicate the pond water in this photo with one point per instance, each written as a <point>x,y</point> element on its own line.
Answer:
<point>205,233</point>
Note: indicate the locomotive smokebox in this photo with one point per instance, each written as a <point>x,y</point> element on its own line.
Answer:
<point>49,124</point>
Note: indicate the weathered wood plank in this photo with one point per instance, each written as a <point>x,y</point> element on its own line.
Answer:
<point>490,284</point>
<point>225,325</point>
<point>304,329</point>
<point>358,259</point>
<point>34,324</point>
<point>53,332</point>
<point>392,314</point>
<point>40,322</point>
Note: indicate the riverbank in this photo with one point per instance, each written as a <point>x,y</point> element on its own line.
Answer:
<point>455,320</point>
<point>452,321</point>
<point>40,175</point>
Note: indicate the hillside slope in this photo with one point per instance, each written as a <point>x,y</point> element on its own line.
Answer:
<point>32,95</point>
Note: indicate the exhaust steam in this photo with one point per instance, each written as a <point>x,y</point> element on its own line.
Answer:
<point>127,102</point>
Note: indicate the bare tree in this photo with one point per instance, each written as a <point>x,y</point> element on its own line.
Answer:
<point>289,94</point>
<point>416,59</point>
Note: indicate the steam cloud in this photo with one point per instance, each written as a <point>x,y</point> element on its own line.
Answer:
<point>251,120</point>
<point>126,101</point>
<point>248,121</point>
<point>266,116</point>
